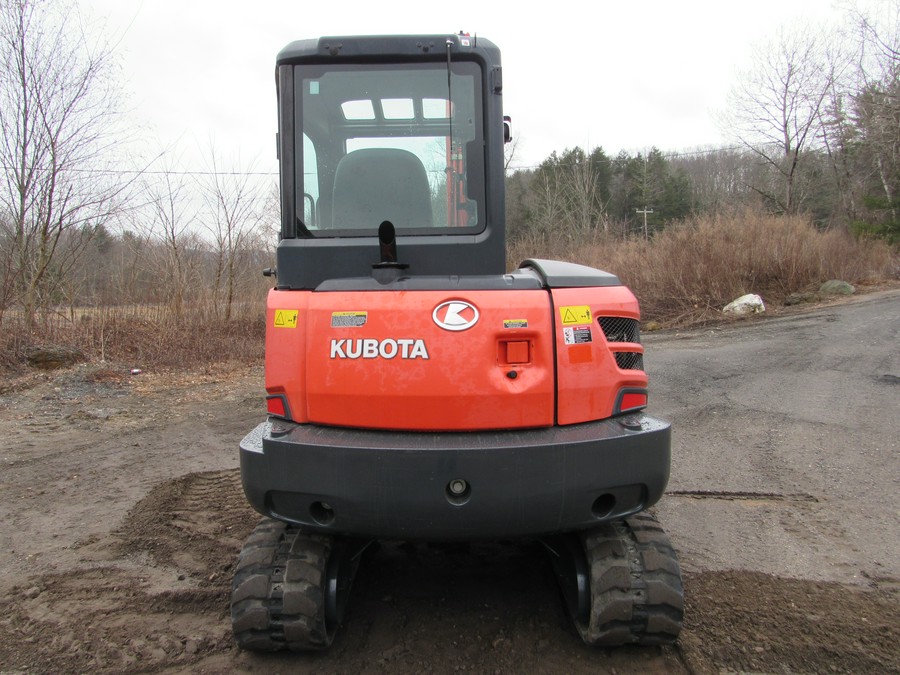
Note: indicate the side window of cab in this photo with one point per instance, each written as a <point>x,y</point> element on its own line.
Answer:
<point>311,214</point>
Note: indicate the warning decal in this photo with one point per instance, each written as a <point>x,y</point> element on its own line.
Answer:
<point>577,335</point>
<point>286,318</point>
<point>575,314</point>
<point>348,319</point>
<point>515,323</point>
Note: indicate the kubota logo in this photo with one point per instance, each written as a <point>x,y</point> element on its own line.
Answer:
<point>369,348</point>
<point>455,315</point>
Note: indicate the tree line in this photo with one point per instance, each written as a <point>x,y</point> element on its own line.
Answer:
<point>814,124</point>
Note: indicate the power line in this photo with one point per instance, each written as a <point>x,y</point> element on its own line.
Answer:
<point>196,173</point>
<point>139,172</point>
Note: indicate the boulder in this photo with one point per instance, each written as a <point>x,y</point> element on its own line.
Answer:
<point>837,287</point>
<point>746,304</point>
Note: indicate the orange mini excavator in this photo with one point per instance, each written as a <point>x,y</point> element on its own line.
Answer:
<point>417,390</point>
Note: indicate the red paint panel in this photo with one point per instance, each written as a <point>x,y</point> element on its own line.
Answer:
<point>518,351</point>
<point>398,369</point>
<point>587,376</point>
<point>286,349</point>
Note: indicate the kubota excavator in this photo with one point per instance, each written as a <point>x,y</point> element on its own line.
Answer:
<point>418,391</point>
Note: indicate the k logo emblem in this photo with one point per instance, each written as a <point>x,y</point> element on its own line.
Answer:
<point>455,315</point>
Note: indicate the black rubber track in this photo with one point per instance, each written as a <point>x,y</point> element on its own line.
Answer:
<point>636,592</point>
<point>278,590</point>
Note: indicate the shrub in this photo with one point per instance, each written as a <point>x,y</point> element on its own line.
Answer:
<point>689,271</point>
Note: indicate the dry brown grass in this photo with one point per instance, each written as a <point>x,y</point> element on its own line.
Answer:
<point>683,275</point>
<point>688,272</point>
<point>150,337</point>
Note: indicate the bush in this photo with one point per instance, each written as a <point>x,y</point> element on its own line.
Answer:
<point>139,336</point>
<point>689,271</point>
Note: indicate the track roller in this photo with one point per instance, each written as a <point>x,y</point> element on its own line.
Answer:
<point>290,588</point>
<point>621,582</point>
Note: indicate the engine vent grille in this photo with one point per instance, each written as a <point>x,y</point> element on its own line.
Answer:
<point>618,329</point>
<point>629,360</point>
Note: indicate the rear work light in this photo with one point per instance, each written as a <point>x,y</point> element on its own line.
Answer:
<point>277,405</point>
<point>630,400</point>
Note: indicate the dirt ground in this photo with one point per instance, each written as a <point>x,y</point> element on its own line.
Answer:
<point>122,514</point>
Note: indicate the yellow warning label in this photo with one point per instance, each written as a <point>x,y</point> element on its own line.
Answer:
<point>286,318</point>
<point>575,314</point>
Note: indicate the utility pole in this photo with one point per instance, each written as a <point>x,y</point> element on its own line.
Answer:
<point>645,212</point>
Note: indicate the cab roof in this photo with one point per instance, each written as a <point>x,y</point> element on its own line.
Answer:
<point>336,48</point>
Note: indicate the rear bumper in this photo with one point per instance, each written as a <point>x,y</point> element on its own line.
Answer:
<point>396,484</point>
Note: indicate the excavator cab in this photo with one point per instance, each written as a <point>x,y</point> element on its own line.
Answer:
<point>415,389</point>
<point>411,138</point>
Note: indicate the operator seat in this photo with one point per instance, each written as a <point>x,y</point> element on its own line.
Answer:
<point>377,184</point>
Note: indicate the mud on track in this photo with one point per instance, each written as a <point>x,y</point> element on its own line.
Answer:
<point>122,515</point>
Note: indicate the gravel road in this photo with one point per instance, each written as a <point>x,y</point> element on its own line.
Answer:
<point>121,516</point>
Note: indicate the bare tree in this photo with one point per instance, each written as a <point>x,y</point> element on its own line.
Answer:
<point>719,177</point>
<point>172,217</point>
<point>546,202</point>
<point>583,194</point>
<point>510,150</point>
<point>877,103</point>
<point>235,207</point>
<point>59,108</point>
<point>131,276</point>
<point>776,107</point>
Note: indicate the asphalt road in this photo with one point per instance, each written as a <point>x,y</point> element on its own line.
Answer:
<point>785,439</point>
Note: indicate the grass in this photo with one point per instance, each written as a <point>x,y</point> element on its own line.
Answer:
<point>682,276</point>
<point>152,338</point>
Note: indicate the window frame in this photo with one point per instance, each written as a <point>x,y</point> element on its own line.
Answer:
<point>331,141</point>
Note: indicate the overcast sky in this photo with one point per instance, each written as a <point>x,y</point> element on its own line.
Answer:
<point>622,75</point>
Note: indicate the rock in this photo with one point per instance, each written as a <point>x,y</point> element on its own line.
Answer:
<point>157,654</point>
<point>837,287</point>
<point>746,304</point>
<point>51,358</point>
<point>799,298</point>
<point>392,652</point>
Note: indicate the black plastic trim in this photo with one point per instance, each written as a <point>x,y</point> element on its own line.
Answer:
<point>559,274</point>
<point>521,280</point>
<point>393,484</point>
